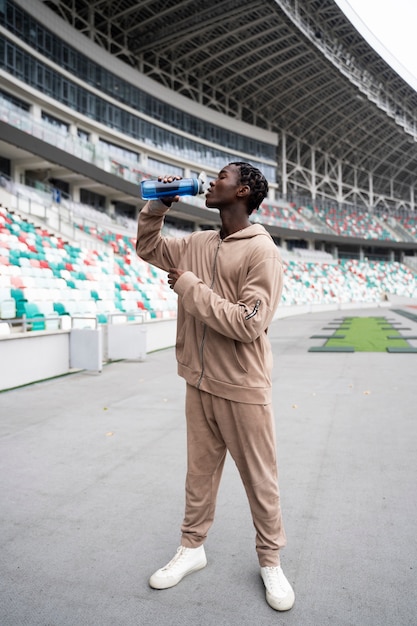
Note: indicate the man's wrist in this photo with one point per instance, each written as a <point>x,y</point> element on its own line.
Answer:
<point>157,207</point>
<point>184,281</point>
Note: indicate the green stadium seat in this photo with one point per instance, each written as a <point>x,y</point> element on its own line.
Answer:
<point>34,316</point>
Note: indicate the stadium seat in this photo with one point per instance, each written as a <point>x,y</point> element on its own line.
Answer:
<point>7,308</point>
<point>34,316</point>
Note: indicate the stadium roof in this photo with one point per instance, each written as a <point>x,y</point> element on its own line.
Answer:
<point>300,67</point>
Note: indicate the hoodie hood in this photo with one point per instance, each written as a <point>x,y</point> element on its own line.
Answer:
<point>247,233</point>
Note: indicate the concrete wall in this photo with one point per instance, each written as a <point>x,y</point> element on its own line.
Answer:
<point>29,357</point>
<point>301,309</point>
<point>36,355</point>
<point>160,335</point>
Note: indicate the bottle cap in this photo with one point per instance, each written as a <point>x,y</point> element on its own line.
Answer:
<point>203,183</point>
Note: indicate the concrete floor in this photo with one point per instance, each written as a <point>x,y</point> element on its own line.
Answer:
<point>92,495</point>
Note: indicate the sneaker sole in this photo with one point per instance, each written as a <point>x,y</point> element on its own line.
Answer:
<point>156,583</point>
<point>280,605</point>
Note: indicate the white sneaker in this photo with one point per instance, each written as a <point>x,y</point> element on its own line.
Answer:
<point>185,561</point>
<point>279,593</point>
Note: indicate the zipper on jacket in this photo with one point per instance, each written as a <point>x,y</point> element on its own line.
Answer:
<point>205,325</point>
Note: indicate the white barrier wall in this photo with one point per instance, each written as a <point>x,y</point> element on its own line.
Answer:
<point>160,335</point>
<point>37,355</point>
<point>301,309</point>
<point>28,357</point>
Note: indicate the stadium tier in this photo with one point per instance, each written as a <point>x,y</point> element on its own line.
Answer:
<point>346,281</point>
<point>352,223</point>
<point>283,216</point>
<point>43,277</point>
<point>409,223</point>
<point>344,222</point>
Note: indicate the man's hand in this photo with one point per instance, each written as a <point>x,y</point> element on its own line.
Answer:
<point>168,200</point>
<point>173,276</point>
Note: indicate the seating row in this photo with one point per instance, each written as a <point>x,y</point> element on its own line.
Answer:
<point>39,268</point>
<point>70,281</point>
<point>346,281</point>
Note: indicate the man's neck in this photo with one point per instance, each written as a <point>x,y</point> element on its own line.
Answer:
<point>232,224</point>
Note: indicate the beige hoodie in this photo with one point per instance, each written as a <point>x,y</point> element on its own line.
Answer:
<point>227,299</point>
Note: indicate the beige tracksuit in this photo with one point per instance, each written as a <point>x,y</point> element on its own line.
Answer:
<point>227,298</point>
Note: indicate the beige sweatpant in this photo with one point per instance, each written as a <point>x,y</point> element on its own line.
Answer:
<point>215,425</point>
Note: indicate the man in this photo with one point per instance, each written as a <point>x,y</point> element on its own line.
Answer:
<point>228,284</point>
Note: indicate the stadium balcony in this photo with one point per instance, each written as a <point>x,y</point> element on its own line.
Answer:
<point>343,222</point>
<point>96,154</point>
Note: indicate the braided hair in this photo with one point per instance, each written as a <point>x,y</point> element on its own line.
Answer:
<point>256,181</point>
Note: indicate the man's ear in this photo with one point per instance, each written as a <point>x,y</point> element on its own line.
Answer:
<point>243,191</point>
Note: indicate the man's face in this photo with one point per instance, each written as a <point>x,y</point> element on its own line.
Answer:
<point>222,191</point>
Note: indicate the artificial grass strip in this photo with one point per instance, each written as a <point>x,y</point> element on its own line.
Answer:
<point>366,335</point>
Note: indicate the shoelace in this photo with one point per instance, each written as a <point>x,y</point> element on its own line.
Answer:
<point>175,561</point>
<point>274,580</point>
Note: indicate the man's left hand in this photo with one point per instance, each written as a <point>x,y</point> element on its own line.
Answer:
<point>173,276</point>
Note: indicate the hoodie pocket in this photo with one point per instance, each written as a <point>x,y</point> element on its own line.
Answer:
<point>238,348</point>
<point>223,359</point>
<point>188,343</point>
<point>181,340</point>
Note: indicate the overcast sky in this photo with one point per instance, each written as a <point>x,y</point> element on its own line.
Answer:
<point>390,27</point>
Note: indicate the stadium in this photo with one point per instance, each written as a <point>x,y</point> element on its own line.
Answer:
<point>89,110</point>
<point>96,97</point>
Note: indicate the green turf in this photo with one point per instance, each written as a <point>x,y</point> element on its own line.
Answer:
<point>367,335</point>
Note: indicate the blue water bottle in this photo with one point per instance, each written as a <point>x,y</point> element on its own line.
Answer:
<point>154,189</point>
